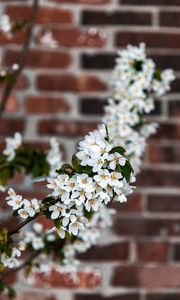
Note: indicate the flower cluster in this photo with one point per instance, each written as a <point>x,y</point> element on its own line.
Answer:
<point>5,24</point>
<point>54,157</point>
<point>135,83</point>
<point>22,207</point>
<point>48,40</point>
<point>100,172</point>
<point>11,260</point>
<point>12,144</point>
<point>37,237</point>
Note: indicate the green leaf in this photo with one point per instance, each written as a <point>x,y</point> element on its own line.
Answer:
<point>1,267</point>
<point>10,78</point>
<point>138,65</point>
<point>3,236</point>
<point>67,168</point>
<point>127,170</point>
<point>11,292</point>
<point>76,165</point>
<point>57,223</point>
<point>119,150</point>
<point>1,286</point>
<point>157,75</point>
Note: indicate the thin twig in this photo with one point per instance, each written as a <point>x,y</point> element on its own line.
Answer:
<point>24,54</point>
<point>16,230</point>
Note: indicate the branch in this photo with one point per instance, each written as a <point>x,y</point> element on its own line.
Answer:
<point>16,230</point>
<point>24,54</point>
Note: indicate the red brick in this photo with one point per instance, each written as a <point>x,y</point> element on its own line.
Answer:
<point>147,277</point>
<point>176,252</point>
<point>174,108</point>
<point>56,279</point>
<point>22,83</point>
<point>77,37</point>
<point>139,227</point>
<point>168,131</point>
<point>44,15</point>
<point>150,2</point>
<point>152,39</point>
<point>158,178</point>
<point>164,203</point>
<point>9,126</point>
<point>134,204</point>
<point>175,86</point>
<point>93,2</point>
<point>32,296</point>
<point>170,19</point>
<point>164,153</point>
<point>163,296</point>
<point>128,296</point>
<point>46,105</point>
<point>17,39</point>
<point>71,83</point>
<point>114,252</point>
<point>168,60</point>
<point>98,61</point>
<point>65,128</point>
<point>115,18</point>
<point>10,223</point>
<point>92,105</point>
<point>152,252</point>
<point>40,59</point>
<point>12,104</point>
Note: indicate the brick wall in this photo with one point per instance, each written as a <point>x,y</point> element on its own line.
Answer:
<point>62,93</point>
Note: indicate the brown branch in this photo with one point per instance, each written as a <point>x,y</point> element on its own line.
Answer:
<point>16,230</point>
<point>24,54</point>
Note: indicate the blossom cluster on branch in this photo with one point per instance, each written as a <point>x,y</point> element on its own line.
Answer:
<point>136,82</point>
<point>101,171</point>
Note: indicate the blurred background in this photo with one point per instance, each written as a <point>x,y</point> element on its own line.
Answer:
<point>62,92</point>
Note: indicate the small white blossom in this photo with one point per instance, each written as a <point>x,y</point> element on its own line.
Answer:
<point>12,144</point>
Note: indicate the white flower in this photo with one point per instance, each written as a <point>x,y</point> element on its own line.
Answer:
<point>38,227</point>
<point>5,24</point>
<point>75,226</point>
<point>24,213</point>
<point>116,159</point>
<point>48,40</point>
<point>96,162</point>
<point>85,182</point>
<point>92,204</point>
<point>122,198</point>
<point>2,188</point>
<point>80,196</point>
<point>61,232</point>
<point>12,144</point>
<point>11,261</point>
<point>102,178</point>
<point>31,207</point>
<point>114,179</point>
<point>38,243</point>
<point>57,210</point>
<point>70,185</point>
<point>54,156</point>
<point>14,200</point>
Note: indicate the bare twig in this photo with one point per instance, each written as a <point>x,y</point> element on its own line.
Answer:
<point>24,53</point>
<point>16,230</point>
